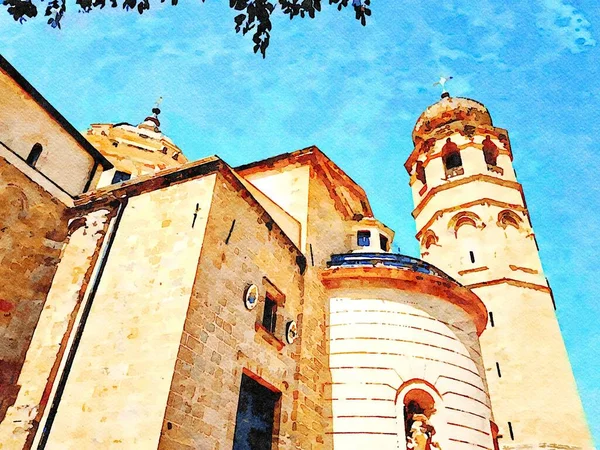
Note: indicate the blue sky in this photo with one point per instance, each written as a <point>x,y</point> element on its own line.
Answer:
<point>356,93</point>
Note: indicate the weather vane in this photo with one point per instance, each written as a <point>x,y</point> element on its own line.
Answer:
<point>442,82</point>
<point>156,109</point>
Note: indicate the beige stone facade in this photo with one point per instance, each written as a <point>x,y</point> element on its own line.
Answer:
<point>33,227</point>
<point>192,305</point>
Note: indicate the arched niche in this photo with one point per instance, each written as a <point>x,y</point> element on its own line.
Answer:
<point>465,218</point>
<point>508,218</point>
<point>429,238</point>
<point>421,416</point>
<point>490,152</point>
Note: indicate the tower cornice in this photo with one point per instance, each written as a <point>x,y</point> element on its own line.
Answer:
<point>484,201</point>
<point>478,177</point>
<point>512,282</point>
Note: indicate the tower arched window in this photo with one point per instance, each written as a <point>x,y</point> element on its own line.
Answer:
<point>34,154</point>
<point>420,172</point>
<point>490,154</point>
<point>451,158</point>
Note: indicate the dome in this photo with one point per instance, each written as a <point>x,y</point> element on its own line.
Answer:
<point>135,150</point>
<point>448,110</point>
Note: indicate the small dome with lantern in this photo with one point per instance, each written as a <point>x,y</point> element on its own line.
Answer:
<point>135,150</point>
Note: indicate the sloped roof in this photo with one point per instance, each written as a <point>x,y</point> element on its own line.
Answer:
<point>329,172</point>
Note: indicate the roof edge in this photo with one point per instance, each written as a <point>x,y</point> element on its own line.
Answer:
<point>150,182</point>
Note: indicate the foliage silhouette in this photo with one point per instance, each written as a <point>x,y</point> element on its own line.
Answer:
<point>254,15</point>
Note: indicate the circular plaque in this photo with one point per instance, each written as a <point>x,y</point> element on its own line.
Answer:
<point>251,296</point>
<point>291,332</point>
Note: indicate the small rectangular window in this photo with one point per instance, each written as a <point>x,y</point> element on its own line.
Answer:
<point>120,176</point>
<point>257,417</point>
<point>472,256</point>
<point>498,370</point>
<point>270,314</point>
<point>383,242</point>
<point>492,319</point>
<point>510,430</point>
<point>363,238</point>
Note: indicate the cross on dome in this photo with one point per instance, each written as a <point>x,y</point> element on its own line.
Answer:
<point>152,121</point>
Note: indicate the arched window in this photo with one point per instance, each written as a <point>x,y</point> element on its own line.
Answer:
<point>420,172</point>
<point>34,154</point>
<point>509,218</point>
<point>451,158</point>
<point>490,152</point>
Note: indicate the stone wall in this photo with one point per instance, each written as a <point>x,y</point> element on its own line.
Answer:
<point>119,381</point>
<point>221,337</point>
<point>58,318</point>
<point>33,227</point>
<point>288,188</point>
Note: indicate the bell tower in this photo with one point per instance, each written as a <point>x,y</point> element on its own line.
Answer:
<point>473,223</point>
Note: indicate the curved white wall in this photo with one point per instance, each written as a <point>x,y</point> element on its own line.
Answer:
<point>379,343</point>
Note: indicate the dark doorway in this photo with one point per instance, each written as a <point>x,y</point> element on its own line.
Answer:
<point>254,422</point>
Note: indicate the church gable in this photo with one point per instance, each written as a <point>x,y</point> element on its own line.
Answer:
<point>291,179</point>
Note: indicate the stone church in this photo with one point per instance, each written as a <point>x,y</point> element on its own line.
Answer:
<point>148,302</point>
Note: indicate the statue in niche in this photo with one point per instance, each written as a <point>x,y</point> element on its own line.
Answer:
<point>419,432</point>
